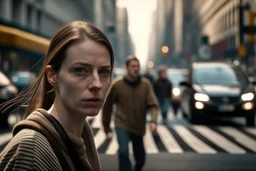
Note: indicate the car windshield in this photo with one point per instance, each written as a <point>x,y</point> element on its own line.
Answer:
<point>176,78</point>
<point>219,75</point>
<point>22,77</point>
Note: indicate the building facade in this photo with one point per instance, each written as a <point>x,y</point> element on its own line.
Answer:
<point>221,22</point>
<point>45,16</point>
<point>162,33</point>
<point>32,23</point>
<point>42,18</point>
<point>124,41</point>
<point>114,23</point>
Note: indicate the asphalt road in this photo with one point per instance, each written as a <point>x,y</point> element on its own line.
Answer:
<point>213,145</point>
<point>189,162</point>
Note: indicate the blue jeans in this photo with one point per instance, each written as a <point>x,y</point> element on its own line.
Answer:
<point>123,138</point>
<point>164,105</point>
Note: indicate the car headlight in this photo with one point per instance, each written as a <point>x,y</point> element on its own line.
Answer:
<point>176,91</point>
<point>247,96</point>
<point>15,79</point>
<point>201,97</point>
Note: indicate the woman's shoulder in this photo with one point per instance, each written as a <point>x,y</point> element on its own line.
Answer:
<point>28,137</point>
<point>28,146</point>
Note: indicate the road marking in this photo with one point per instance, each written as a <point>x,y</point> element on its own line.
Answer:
<point>150,143</point>
<point>97,121</point>
<point>251,130</point>
<point>240,137</point>
<point>195,143</point>
<point>99,138</point>
<point>168,140</point>
<point>219,140</point>
<point>113,146</point>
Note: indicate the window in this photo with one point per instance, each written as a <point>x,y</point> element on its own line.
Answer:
<point>219,75</point>
<point>38,20</point>
<point>29,14</point>
<point>16,6</point>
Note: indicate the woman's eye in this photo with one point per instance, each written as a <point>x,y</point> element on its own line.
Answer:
<point>80,71</point>
<point>104,72</point>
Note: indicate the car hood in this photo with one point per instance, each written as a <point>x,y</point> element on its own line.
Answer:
<point>219,90</point>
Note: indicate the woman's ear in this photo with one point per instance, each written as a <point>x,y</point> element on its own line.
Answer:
<point>51,76</point>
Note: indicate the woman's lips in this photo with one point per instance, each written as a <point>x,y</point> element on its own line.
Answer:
<point>93,102</point>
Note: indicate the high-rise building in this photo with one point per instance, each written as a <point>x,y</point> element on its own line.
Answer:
<point>26,27</point>
<point>45,16</point>
<point>162,33</point>
<point>125,45</point>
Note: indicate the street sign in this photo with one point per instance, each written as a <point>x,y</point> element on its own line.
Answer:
<point>205,52</point>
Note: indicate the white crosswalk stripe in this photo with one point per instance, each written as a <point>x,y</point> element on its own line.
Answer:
<point>169,141</point>
<point>251,130</point>
<point>240,137</point>
<point>195,143</point>
<point>97,123</point>
<point>113,146</point>
<point>99,138</point>
<point>150,143</point>
<point>219,140</point>
<point>226,138</point>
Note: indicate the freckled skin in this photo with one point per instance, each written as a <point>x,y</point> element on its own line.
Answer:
<point>83,75</point>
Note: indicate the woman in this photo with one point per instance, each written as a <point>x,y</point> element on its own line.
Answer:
<point>72,85</point>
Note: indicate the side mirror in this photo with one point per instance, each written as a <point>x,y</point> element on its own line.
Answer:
<point>185,83</point>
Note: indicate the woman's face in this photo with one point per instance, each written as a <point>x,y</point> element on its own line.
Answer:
<point>84,78</point>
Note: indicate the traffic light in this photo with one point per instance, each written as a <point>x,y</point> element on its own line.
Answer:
<point>251,16</point>
<point>241,51</point>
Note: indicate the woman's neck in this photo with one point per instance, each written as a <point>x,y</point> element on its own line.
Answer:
<point>71,123</point>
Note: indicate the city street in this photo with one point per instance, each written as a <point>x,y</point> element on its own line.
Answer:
<point>224,144</point>
<point>65,56</point>
<point>189,162</point>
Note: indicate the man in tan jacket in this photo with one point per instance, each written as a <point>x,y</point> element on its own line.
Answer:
<point>133,97</point>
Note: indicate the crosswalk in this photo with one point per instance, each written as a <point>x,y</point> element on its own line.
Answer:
<point>178,139</point>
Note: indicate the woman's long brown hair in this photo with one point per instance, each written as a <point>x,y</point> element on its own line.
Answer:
<point>41,94</point>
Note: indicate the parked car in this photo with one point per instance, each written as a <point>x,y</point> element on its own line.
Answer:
<point>176,76</point>
<point>216,89</point>
<point>7,92</point>
<point>22,79</point>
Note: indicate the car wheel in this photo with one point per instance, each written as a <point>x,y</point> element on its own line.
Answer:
<point>250,120</point>
<point>193,117</point>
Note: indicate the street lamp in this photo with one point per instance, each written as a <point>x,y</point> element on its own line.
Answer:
<point>150,64</point>
<point>165,49</point>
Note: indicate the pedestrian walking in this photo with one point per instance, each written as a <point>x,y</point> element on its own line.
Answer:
<point>72,85</point>
<point>163,91</point>
<point>133,96</point>
<point>149,76</point>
